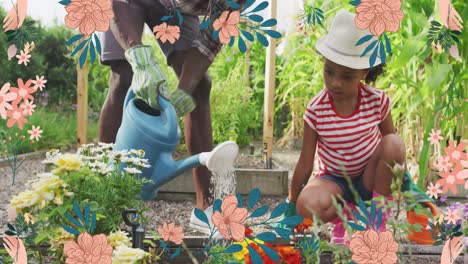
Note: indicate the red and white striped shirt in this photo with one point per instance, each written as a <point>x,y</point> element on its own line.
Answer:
<point>345,143</point>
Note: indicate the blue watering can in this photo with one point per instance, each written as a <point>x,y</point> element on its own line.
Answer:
<point>157,133</point>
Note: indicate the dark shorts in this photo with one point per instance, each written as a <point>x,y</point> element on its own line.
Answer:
<point>150,12</point>
<point>358,185</point>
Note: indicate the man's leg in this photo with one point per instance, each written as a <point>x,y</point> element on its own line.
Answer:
<point>111,113</point>
<point>198,132</point>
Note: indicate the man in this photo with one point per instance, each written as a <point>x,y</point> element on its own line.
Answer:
<point>190,57</point>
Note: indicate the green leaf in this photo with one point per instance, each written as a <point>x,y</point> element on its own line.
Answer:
<point>11,227</point>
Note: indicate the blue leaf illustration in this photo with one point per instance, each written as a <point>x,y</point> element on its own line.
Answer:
<point>284,233</point>
<point>78,48</point>
<point>181,18</point>
<point>356,226</point>
<point>361,218</point>
<point>279,210</point>
<point>262,39</point>
<point>260,7</point>
<point>273,33</point>
<point>232,40</point>
<point>266,236</point>
<point>364,39</point>
<point>74,39</point>
<point>98,44</point>
<point>247,4</point>
<point>201,215</point>
<point>65,2</point>
<point>86,210</point>
<point>247,35</point>
<point>241,45</point>
<point>176,253</point>
<point>355,2</point>
<point>205,24</point>
<point>254,256</point>
<point>379,218</point>
<point>260,211</point>
<point>77,210</point>
<point>269,23</point>
<point>73,220</point>
<point>292,220</point>
<point>215,34</point>
<point>240,200</point>
<point>83,60</point>
<point>232,4</point>
<point>165,18</point>
<point>369,48</point>
<point>254,197</point>
<point>270,252</point>
<point>71,230</point>
<point>233,248</point>
<point>256,18</point>
<point>383,57</point>
<point>372,212</point>
<point>372,59</point>
<point>93,223</point>
<point>387,44</point>
<point>92,53</point>
<point>217,205</point>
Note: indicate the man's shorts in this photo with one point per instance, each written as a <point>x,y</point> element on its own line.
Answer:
<point>358,186</point>
<point>150,12</point>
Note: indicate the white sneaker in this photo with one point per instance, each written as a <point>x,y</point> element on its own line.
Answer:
<point>201,226</point>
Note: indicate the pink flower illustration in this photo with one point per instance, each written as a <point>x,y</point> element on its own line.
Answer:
<point>11,51</point>
<point>16,117</point>
<point>89,249</point>
<point>450,180</point>
<point>166,33</point>
<point>23,91</point>
<point>28,107</point>
<point>35,133</point>
<point>456,153</point>
<point>23,58</point>
<point>373,247</point>
<point>443,163</point>
<point>6,97</point>
<point>449,16</point>
<point>452,216</point>
<point>453,247</point>
<point>229,222</point>
<point>171,233</point>
<point>435,137</point>
<point>39,83</point>
<point>227,26</point>
<point>433,190</point>
<point>379,16</point>
<point>89,15</point>
<point>15,17</point>
<point>15,248</point>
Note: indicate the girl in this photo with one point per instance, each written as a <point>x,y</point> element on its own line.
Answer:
<point>348,125</point>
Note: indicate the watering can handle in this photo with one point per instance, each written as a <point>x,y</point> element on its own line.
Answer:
<point>431,207</point>
<point>163,102</point>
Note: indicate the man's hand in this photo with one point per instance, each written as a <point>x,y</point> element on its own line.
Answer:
<point>148,80</point>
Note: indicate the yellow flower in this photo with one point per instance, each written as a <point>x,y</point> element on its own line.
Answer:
<point>60,238</point>
<point>123,254</point>
<point>68,162</point>
<point>240,255</point>
<point>439,219</point>
<point>47,183</point>
<point>119,238</point>
<point>24,199</point>
<point>29,218</point>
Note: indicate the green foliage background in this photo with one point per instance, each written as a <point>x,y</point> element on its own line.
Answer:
<point>415,78</point>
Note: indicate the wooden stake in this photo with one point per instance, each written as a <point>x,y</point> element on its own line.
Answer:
<point>82,104</point>
<point>269,97</point>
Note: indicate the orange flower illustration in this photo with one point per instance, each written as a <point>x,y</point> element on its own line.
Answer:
<point>89,249</point>
<point>229,222</point>
<point>379,16</point>
<point>456,153</point>
<point>450,180</point>
<point>227,26</point>
<point>89,15</point>
<point>16,117</point>
<point>164,33</point>
<point>373,247</point>
<point>172,233</point>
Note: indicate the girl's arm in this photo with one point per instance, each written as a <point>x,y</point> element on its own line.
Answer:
<point>305,164</point>
<point>386,126</point>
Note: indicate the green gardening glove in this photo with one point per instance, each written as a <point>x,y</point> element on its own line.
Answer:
<point>183,102</point>
<point>148,80</point>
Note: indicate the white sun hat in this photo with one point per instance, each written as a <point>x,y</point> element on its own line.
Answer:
<point>339,45</point>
